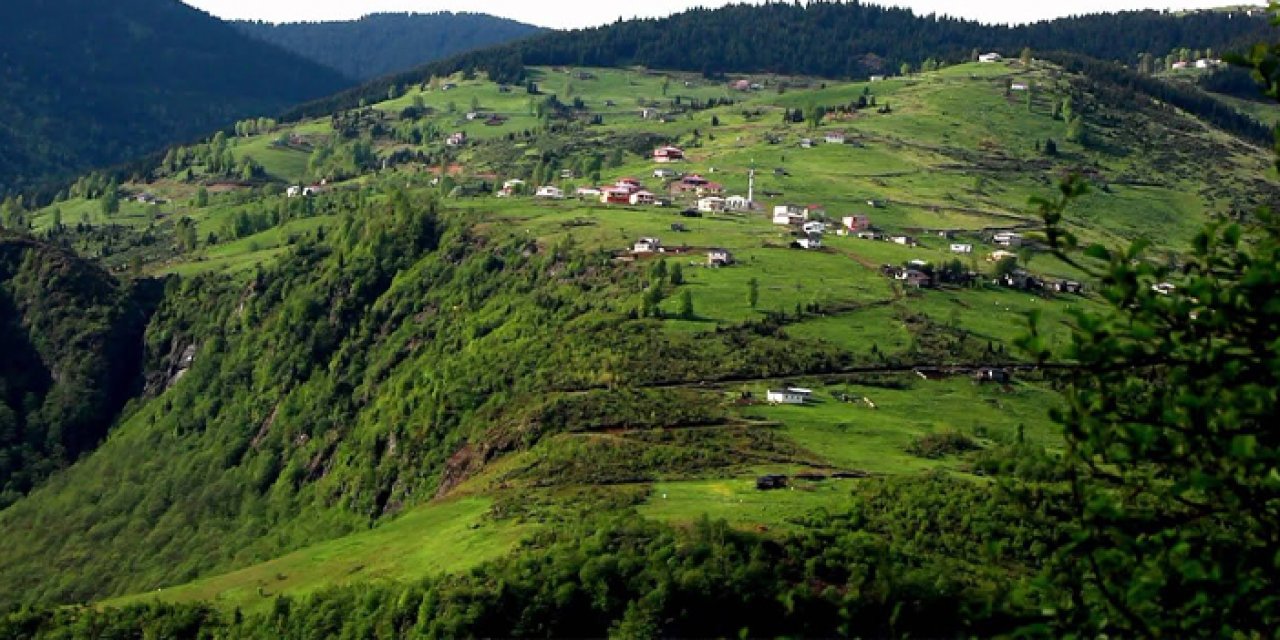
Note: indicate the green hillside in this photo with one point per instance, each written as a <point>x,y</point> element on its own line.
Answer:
<point>464,412</point>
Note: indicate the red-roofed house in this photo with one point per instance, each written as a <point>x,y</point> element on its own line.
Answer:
<point>668,154</point>
<point>616,195</point>
<point>856,222</point>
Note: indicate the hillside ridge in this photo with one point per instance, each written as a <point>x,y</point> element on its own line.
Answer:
<point>382,43</point>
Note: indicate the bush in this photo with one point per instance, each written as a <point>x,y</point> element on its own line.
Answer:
<point>943,443</point>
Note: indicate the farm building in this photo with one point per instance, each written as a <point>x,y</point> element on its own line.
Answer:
<point>1065,286</point>
<point>550,193</point>
<point>913,278</point>
<point>789,395</point>
<point>647,245</point>
<point>1007,239</point>
<point>719,257</point>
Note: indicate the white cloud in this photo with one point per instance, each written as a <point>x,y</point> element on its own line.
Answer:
<point>582,13</point>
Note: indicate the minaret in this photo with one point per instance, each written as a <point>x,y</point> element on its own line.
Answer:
<point>751,186</point>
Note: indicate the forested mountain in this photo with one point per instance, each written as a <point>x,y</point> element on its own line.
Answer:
<point>71,336</point>
<point>85,84</point>
<point>382,43</point>
<point>831,39</point>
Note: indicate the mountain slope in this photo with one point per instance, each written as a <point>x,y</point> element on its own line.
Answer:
<point>363,351</point>
<point>382,43</point>
<point>85,84</point>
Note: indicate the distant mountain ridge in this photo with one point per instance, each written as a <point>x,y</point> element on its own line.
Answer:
<point>85,84</point>
<point>383,43</point>
<point>828,39</point>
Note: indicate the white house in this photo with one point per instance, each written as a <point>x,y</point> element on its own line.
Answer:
<point>647,245</point>
<point>807,243</point>
<point>1000,254</point>
<point>642,197</point>
<point>806,143</point>
<point>990,57</point>
<point>868,234</point>
<point>587,192</point>
<point>957,247</point>
<point>663,172</point>
<point>1017,86</point>
<point>834,137</point>
<point>456,139</point>
<point>1180,65</point>
<point>906,241</point>
<point>790,395</point>
<point>550,192</point>
<point>1207,63</point>
<point>814,226</point>
<point>293,192</point>
<point>719,257</point>
<point>711,204</point>
<point>789,214</point>
<point>1164,288</point>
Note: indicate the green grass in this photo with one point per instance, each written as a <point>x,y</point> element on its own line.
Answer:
<point>859,330</point>
<point>288,165</point>
<point>445,537</point>
<point>856,436</point>
<point>737,501</point>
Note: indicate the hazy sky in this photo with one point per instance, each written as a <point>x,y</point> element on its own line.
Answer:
<point>582,13</point>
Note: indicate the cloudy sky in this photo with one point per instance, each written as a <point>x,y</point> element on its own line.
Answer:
<point>582,13</point>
